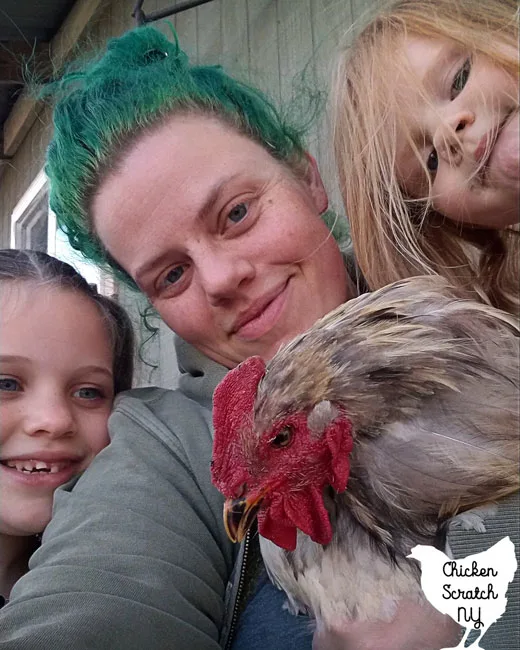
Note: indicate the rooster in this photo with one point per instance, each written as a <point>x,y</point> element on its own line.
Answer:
<point>361,438</point>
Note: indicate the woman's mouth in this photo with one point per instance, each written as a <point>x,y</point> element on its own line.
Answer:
<point>260,319</point>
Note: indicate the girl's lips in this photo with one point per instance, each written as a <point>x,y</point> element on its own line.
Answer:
<point>266,320</point>
<point>41,479</point>
<point>503,165</point>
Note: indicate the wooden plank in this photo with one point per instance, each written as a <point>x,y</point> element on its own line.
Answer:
<point>163,25</point>
<point>235,38</point>
<point>363,9</point>
<point>330,20</point>
<point>209,33</point>
<point>17,125</point>
<point>186,25</point>
<point>295,45</point>
<point>25,110</point>
<point>72,28</point>
<point>122,19</point>
<point>100,28</point>
<point>14,55</point>
<point>297,73</point>
<point>264,60</point>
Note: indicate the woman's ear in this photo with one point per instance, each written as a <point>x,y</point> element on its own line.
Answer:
<point>315,184</point>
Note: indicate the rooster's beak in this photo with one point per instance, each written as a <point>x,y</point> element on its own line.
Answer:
<point>239,514</point>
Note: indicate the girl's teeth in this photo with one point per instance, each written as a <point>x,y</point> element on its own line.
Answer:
<point>32,466</point>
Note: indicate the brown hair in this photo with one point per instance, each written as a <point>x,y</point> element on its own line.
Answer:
<point>395,237</point>
<point>33,266</point>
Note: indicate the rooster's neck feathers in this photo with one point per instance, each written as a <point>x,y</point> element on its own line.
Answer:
<point>380,356</point>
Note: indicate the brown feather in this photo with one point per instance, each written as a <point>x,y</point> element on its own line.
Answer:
<point>430,381</point>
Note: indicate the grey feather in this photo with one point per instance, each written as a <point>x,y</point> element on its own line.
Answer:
<point>430,381</point>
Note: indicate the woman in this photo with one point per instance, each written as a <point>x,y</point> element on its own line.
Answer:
<point>189,185</point>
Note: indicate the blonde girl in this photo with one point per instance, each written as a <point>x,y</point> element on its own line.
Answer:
<point>427,144</point>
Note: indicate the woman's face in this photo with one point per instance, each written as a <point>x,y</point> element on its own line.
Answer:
<point>226,243</point>
<point>465,122</point>
<point>56,393</point>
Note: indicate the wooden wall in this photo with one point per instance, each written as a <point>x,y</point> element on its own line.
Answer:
<point>279,45</point>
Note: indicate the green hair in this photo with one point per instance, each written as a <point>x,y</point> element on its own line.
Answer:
<point>105,104</point>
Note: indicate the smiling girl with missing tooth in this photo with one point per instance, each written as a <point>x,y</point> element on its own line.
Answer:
<point>65,351</point>
<point>427,144</point>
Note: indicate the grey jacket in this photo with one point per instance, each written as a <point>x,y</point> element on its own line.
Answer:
<point>136,556</point>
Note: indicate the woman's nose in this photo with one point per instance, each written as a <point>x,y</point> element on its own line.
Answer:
<point>222,273</point>
<point>450,135</point>
<point>51,415</point>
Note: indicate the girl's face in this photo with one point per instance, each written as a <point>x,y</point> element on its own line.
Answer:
<point>462,114</point>
<point>226,243</point>
<point>56,392</point>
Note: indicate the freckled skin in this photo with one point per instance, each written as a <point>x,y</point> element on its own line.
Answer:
<point>226,224</point>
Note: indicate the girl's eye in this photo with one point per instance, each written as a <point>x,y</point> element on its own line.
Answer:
<point>88,392</point>
<point>9,385</point>
<point>461,79</point>
<point>238,212</point>
<point>173,275</point>
<point>433,161</point>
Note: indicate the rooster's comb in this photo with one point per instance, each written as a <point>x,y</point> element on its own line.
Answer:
<point>233,402</point>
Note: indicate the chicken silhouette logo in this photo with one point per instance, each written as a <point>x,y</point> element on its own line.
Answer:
<point>472,590</point>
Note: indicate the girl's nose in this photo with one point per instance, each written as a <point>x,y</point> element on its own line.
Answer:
<point>51,415</point>
<point>450,134</point>
<point>223,273</point>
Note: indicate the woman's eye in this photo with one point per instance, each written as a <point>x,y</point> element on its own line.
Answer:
<point>433,161</point>
<point>173,275</point>
<point>238,212</point>
<point>461,79</point>
<point>88,392</point>
<point>9,385</point>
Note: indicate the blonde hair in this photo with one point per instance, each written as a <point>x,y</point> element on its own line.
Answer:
<point>395,237</point>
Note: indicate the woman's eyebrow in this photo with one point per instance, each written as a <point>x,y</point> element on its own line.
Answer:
<point>157,260</point>
<point>142,271</point>
<point>214,194</point>
<point>205,209</point>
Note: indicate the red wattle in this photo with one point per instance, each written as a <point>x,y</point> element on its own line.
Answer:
<point>308,513</point>
<point>273,525</point>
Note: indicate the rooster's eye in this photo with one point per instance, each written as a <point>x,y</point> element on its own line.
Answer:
<point>283,437</point>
